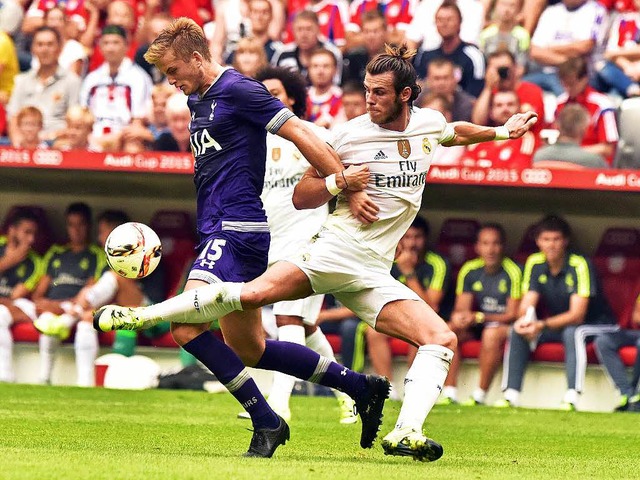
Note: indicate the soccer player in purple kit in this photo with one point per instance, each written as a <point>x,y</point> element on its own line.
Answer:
<point>230,115</point>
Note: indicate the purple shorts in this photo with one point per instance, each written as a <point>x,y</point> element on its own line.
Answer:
<point>230,256</point>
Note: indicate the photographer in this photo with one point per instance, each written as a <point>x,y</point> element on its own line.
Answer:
<point>504,74</point>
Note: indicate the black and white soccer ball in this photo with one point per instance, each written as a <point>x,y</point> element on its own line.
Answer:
<point>133,250</point>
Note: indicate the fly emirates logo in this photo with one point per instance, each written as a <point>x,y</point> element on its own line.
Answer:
<point>407,175</point>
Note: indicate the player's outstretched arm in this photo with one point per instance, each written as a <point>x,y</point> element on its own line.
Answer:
<point>318,153</point>
<point>313,190</point>
<point>468,133</point>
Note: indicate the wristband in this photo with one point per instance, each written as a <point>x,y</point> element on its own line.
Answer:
<point>410,276</point>
<point>479,317</point>
<point>331,184</point>
<point>502,133</point>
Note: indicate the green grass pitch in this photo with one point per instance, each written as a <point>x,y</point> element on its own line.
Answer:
<point>71,433</point>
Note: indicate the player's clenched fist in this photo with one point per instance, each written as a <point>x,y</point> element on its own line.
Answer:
<point>354,178</point>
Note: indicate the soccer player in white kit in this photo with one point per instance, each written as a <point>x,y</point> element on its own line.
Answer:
<point>352,260</point>
<point>290,230</point>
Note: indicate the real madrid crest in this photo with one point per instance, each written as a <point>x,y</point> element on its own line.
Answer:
<point>426,146</point>
<point>404,148</point>
<point>275,154</point>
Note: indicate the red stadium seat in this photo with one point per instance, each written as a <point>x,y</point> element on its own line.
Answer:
<point>628,355</point>
<point>457,241</point>
<point>470,349</point>
<point>176,231</point>
<point>398,347</point>
<point>44,239</point>
<point>24,332</point>
<point>617,260</point>
<point>335,341</point>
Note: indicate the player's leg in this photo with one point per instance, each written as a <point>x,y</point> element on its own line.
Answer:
<point>86,348</point>
<point>415,322</point>
<point>492,344</point>
<point>317,341</point>
<point>20,310</point>
<point>570,399</point>
<point>515,362</point>
<point>607,348</point>
<point>379,354</point>
<point>450,391</point>
<point>202,304</point>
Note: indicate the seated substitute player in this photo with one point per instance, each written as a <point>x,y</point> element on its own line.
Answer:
<point>565,283</point>
<point>19,274</point>
<point>66,269</point>
<point>607,347</point>
<point>353,261</point>
<point>425,272</point>
<point>290,229</point>
<point>231,115</point>
<point>488,293</point>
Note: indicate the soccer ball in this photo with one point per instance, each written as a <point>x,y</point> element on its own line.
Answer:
<point>133,250</point>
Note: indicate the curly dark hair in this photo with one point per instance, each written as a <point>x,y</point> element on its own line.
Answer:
<point>294,84</point>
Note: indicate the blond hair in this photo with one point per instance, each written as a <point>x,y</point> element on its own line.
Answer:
<point>250,45</point>
<point>77,113</point>
<point>183,37</point>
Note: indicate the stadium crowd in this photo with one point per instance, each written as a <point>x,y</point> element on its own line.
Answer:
<point>73,76</point>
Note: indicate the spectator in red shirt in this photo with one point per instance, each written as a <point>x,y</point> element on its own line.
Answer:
<point>396,13</point>
<point>333,16</point>
<point>502,153</point>
<point>121,13</point>
<point>504,74</point>
<point>601,136</point>
<point>324,99</point>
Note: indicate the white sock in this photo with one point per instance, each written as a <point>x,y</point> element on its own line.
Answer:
<point>318,342</point>
<point>479,395</point>
<point>67,320</point>
<point>450,392</point>
<point>571,397</point>
<point>282,383</point>
<point>423,384</point>
<point>512,396</point>
<point>6,345</point>
<point>101,292</point>
<point>86,347</point>
<point>48,346</point>
<point>200,305</point>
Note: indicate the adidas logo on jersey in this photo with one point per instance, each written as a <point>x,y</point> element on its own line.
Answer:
<point>380,156</point>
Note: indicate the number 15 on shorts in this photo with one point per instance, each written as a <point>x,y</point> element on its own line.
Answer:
<point>211,253</point>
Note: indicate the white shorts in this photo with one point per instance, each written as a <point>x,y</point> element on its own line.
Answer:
<point>359,278</point>
<point>306,308</point>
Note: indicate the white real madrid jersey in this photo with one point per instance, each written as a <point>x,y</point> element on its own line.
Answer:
<point>399,162</point>
<point>290,228</point>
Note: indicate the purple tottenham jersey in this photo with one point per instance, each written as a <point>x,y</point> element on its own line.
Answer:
<point>228,138</point>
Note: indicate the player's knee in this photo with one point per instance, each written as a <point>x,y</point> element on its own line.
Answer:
<point>249,352</point>
<point>445,338</point>
<point>183,333</point>
<point>254,296</point>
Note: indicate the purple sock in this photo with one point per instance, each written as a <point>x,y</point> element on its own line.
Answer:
<point>302,362</point>
<point>230,371</point>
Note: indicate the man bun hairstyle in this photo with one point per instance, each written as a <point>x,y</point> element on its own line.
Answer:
<point>398,60</point>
